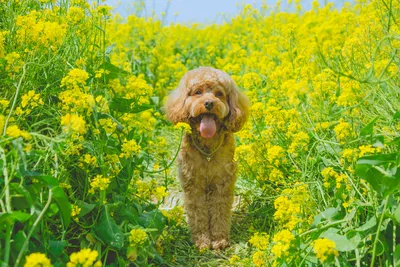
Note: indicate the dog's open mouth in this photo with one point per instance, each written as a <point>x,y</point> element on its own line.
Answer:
<point>208,127</point>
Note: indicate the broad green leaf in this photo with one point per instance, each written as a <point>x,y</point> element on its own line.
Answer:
<point>56,247</point>
<point>114,71</point>
<point>48,180</point>
<point>18,241</point>
<point>108,231</point>
<point>396,255</point>
<point>369,128</point>
<point>85,208</point>
<point>20,189</point>
<point>377,159</point>
<point>63,204</point>
<point>330,214</point>
<point>383,184</point>
<point>125,105</point>
<point>153,219</point>
<point>342,242</point>
<point>9,218</point>
<point>366,226</point>
<point>397,214</point>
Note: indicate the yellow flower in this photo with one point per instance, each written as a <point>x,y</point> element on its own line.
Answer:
<point>160,193</point>
<point>85,257</point>
<point>99,182</point>
<point>137,237</point>
<point>260,241</point>
<point>75,212</point>
<point>282,242</point>
<point>4,103</point>
<point>75,79</point>
<point>2,121</point>
<point>73,123</point>
<point>343,131</point>
<point>368,149</point>
<point>129,148</point>
<point>183,126</point>
<point>275,155</point>
<point>259,258</point>
<point>175,214</point>
<point>37,260</point>
<point>14,131</point>
<point>324,248</point>
<point>235,259</point>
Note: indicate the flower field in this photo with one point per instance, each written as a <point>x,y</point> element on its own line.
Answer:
<point>88,174</point>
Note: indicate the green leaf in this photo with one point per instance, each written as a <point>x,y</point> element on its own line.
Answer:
<point>63,204</point>
<point>396,255</point>
<point>18,241</point>
<point>397,214</point>
<point>114,71</point>
<point>379,172</point>
<point>9,218</point>
<point>369,128</point>
<point>108,231</point>
<point>330,214</point>
<point>48,180</point>
<point>366,226</point>
<point>57,247</point>
<point>85,208</point>
<point>377,159</point>
<point>125,105</point>
<point>153,219</point>
<point>342,242</point>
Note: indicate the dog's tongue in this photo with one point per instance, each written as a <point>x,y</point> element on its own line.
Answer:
<point>207,126</point>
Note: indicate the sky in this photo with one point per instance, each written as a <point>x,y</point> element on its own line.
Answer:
<point>201,11</point>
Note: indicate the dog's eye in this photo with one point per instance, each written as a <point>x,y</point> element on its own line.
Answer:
<point>219,94</point>
<point>198,92</point>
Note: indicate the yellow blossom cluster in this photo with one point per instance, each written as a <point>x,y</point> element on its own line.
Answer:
<point>85,257</point>
<point>137,237</point>
<point>292,206</point>
<point>99,183</point>
<point>15,131</point>
<point>37,260</point>
<point>73,123</point>
<point>282,241</point>
<point>29,101</point>
<point>37,31</point>
<point>324,249</point>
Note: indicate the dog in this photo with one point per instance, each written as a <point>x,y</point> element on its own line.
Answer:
<point>210,102</point>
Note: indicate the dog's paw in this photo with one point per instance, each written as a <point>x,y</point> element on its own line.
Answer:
<point>203,242</point>
<point>203,245</point>
<point>220,244</point>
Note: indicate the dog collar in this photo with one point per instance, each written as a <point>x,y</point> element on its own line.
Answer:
<point>208,155</point>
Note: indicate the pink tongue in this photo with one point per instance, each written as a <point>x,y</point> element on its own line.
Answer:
<point>207,126</point>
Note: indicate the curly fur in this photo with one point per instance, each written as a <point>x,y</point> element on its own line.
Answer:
<point>208,185</point>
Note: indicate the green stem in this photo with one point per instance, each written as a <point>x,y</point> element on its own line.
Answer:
<point>15,99</point>
<point>7,243</point>
<point>377,232</point>
<point>35,224</point>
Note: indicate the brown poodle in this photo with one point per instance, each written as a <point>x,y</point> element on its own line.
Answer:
<point>209,101</point>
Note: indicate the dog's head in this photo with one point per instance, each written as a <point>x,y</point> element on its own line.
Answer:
<point>209,100</point>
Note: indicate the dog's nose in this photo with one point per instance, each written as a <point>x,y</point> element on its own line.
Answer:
<point>209,104</point>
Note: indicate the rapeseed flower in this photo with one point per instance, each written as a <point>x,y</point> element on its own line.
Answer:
<point>137,237</point>
<point>37,260</point>
<point>85,257</point>
<point>324,249</point>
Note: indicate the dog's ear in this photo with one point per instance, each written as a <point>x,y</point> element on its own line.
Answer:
<point>175,106</point>
<point>238,109</point>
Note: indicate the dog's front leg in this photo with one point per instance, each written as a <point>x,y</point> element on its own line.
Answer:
<point>220,201</point>
<point>197,211</point>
